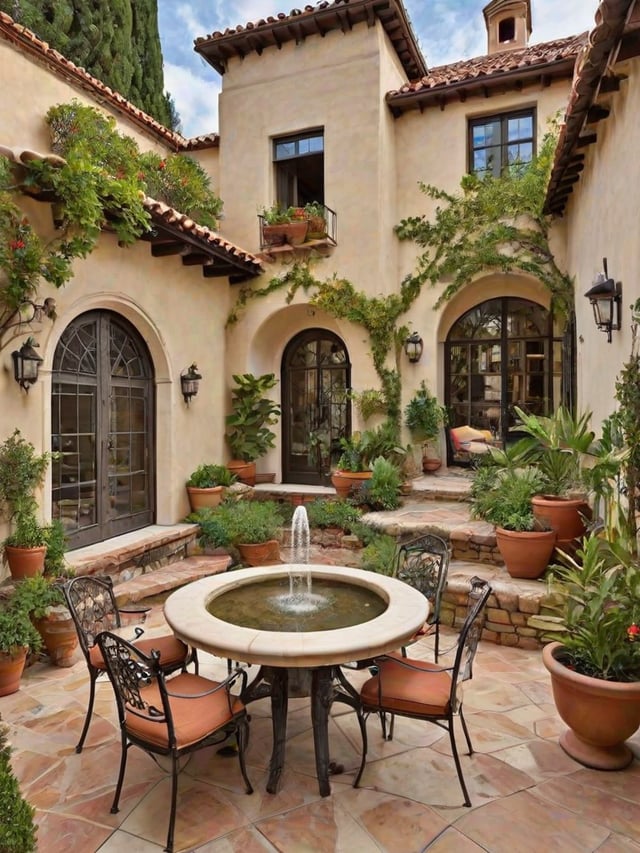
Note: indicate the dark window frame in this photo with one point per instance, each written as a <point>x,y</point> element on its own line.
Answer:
<point>503,118</point>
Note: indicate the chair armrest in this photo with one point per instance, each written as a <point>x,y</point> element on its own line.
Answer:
<point>406,662</point>
<point>238,672</point>
<point>133,614</point>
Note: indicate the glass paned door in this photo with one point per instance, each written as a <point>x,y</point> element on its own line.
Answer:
<point>315,406</point>
<point>102,425</point>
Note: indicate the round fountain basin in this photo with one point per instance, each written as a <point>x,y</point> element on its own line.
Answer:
<point>269,605</point>
<point>186,611</point>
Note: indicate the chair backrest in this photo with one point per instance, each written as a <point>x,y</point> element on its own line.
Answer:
<point>130,672</point>
<point>93,608</point>
<point>423,563</point>
<point>470,633</point>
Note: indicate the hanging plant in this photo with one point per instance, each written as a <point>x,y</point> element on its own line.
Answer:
<point>182,183</point>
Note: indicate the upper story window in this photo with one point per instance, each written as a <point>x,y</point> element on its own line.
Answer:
<point>299,168</point>
<point>500,142</point>
<point>506,30</point>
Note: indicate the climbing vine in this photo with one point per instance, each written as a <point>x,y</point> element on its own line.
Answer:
<point>495,224</point>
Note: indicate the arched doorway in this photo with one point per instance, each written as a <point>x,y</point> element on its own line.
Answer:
<point>316,414</point>
<point>102,423</point>
<point>501,353</point>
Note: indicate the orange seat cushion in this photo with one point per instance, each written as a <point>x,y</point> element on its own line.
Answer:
<point>424,691</point>
<point>193,718</point>
<point>172,651</point>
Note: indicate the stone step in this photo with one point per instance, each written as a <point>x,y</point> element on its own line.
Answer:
<point>170,577</point>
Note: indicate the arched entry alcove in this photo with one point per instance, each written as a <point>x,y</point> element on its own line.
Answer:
<point>103,425</point>
<point>316,414</point>
<point>503,352</point>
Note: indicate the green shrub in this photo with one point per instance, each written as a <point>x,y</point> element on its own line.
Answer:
<point>207,476</point>
<point>379,555</point>
<point>35,595</point>
<point>383,489</point>
<point>17,829</point>
<point>214,533</point>
<point>333,513</point>
<point>250,522</point>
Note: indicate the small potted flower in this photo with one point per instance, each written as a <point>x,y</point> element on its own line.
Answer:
<point>279,225</point>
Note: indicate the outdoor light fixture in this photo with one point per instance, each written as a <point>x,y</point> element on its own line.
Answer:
<point>413,347</point>
<point>189,381</point>
<point>606,296</point>
<point>26,363</point>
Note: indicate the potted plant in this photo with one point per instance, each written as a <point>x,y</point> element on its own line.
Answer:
<point>17,637</point>
<point>214,534</point>
<point>316,216</point>
<point>425,417</point>
<point>205,485</point>
<point>43,601</point>
<point>502,496</point>
<point>358,453</point>
<point>17,829</point>
<point>22,471</point>
<point>253,528</point>
<point>382,491</point>
<point>594,659</point>
<point>248,434</point>
<point>280,225</point>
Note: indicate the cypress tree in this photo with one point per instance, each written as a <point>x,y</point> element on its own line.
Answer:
<point>116,41</point>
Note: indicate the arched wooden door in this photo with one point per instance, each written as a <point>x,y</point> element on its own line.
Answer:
<point>501,353</point>
<point>316,413</point>
<point>102,423</point>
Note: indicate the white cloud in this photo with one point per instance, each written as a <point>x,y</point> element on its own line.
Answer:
<point>196,99</point>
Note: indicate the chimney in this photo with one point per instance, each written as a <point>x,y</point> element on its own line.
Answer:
<point>508,24</point>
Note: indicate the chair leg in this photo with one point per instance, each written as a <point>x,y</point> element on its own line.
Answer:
<point>93,675</point>
<point>456,758</point>
<point>196,662</point>
<point>362,720</point>
<point>465,730</point>
<point>123,766</point>
<point>437,641</point>
<point>242,736</point>
<point>174,802</point>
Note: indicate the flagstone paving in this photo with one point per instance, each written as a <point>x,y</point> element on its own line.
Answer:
<point>527,795</point>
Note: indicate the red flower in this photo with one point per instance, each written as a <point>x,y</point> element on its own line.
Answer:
<point>16,244</point>
<point>162,164</point>
<point>633,632</point>
<point>141,176</point>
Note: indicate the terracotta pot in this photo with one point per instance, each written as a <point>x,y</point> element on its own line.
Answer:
<point>430,464</point>
<point>564,515</point>
<point>244,471</point>
<point>201,498</point>
<point>601,715</point>
<point>59,636</point>
<point>344,481</point>
<point>526,554</point>
<point>11,668</point>
<point>261,554</point>
<point>25,562</point>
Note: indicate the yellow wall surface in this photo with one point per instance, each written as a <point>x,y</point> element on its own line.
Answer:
<point>601,220</point>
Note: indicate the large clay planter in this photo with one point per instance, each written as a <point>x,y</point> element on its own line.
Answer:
<point>564,515</point>
<point>430,464</point>
<point>261,554</point>
<point>59,635</point>
<point>344,481</point>
<point>244,471</point>
<point>203,498</point>
<point>601,715</point>
<point>25,562</point>
<point>11,668</point>
<point>525,554</point>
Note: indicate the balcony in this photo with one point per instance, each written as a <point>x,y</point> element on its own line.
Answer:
<point>299,232</point>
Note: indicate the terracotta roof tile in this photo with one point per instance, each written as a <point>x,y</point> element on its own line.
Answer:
<point>496,64</point>
<point>27,41</point>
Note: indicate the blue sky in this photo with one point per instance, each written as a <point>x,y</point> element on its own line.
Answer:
<point>447,30</point>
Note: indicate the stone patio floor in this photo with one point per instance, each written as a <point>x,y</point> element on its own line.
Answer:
<point>527,794</point>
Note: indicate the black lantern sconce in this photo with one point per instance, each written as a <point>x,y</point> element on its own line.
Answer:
<point>413,347</point>
<point>606,296</point>
<point>189,382</point>
<point>26,363</point>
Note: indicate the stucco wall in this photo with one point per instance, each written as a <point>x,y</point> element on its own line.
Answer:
<point>601,220</point>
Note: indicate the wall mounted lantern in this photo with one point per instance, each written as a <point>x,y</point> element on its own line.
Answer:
<point>413,347</point>
<point>26,363</point>
<point>606,296</point>
<point>189,382</point>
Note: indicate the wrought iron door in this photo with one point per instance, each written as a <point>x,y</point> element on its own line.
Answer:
<point>102,425</point>
<point>316,412</point>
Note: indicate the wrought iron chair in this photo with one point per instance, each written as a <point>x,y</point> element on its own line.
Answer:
<point>174,716</point>
<point>93,607</point>
<point>421,690</point>
<point>423,563</point>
